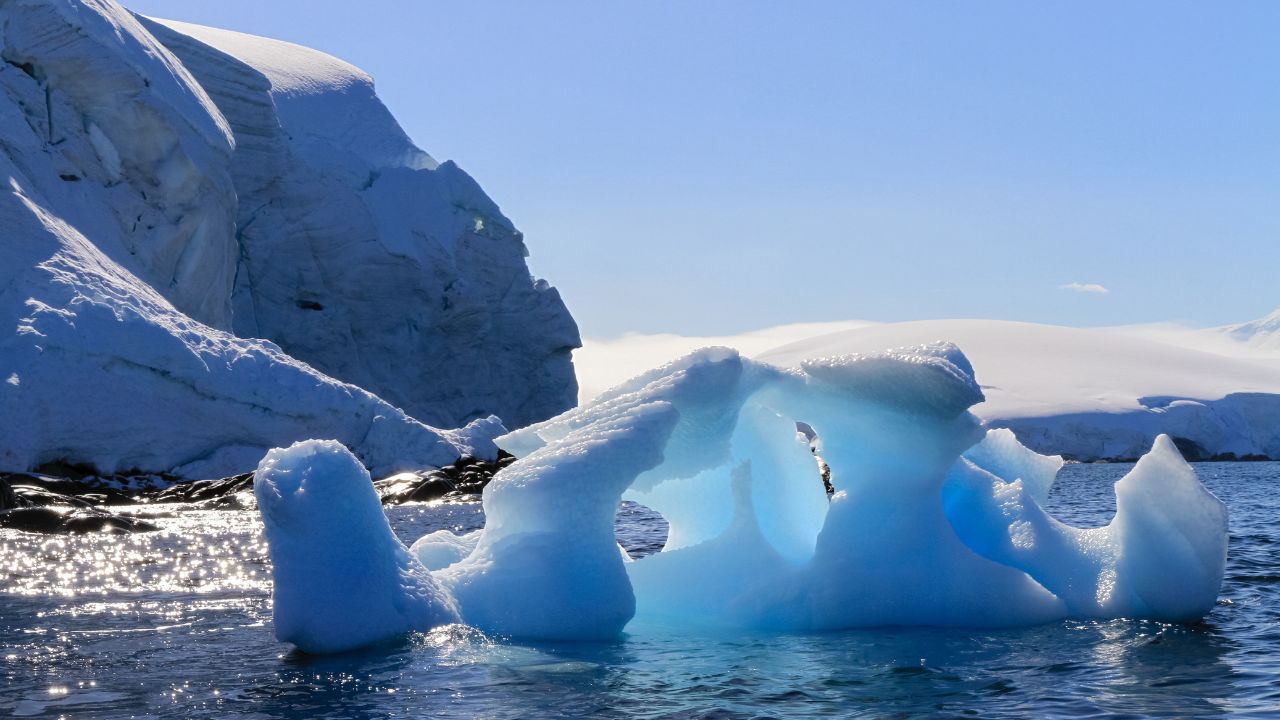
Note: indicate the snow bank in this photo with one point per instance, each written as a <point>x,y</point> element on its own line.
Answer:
<point>342,579</point>
<point>936,520</point>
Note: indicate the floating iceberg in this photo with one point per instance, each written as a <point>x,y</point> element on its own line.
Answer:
<point>934,520</point>
<point>342,579</point>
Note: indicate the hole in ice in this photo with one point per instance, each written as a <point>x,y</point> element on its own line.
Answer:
<point>641,530</point>
<point>824,469</point>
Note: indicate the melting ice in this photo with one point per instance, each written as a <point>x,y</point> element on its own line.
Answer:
<point>935,520</point>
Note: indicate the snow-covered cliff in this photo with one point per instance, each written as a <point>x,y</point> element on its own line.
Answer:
<point>361,255</point>
<point>164,201</point>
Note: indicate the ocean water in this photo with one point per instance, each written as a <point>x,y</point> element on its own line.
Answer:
<point>176,624</point>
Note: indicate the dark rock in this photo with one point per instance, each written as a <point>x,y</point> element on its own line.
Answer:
<point>65,485</point>
<point>52,519</point>
<point>408,487</point>
<point>462,480</point>
<point>433,488</point>
<point>1191,450</point>
<point>197,491</point>
<point>63,469</point>
<point>90,489</point>
<point>7,498</point>
<point>33,519</point>
<point>34,496</point>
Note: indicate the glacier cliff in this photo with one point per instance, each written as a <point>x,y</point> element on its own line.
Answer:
<point>363,256</point>
<point>169,196</point>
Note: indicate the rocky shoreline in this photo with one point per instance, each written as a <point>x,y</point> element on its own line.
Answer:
<point>60,498</point>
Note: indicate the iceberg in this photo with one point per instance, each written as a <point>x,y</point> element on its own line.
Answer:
<point>342,579</point>
<point>935,520</point>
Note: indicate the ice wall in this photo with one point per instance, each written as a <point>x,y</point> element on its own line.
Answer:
<point>363,256</point>
<point>119,115</point>
<point>163,202</point>
<point>116,233</point>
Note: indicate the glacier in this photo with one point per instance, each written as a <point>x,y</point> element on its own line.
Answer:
<point>935,519</point>
<point>365,258</point>
<point>215,244</point>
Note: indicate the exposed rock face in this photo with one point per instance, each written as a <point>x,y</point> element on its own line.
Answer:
<point>362,256</point>
<point>144,239</point>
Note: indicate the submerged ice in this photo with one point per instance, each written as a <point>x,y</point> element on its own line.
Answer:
<point>935,520</point>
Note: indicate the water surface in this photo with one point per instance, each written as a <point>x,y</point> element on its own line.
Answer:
<point>177,624</point>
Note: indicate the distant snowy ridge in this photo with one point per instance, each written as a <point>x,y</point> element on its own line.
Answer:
<point>1088,394</point>
<point>1261,335</point>
<point>162,197</point>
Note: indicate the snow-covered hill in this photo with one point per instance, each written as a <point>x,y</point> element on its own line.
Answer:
<point>170,192</point>
<point>1261,336</point>
<point>1085,393</point>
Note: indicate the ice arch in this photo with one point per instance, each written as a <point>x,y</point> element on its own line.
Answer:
<point>935,520</point>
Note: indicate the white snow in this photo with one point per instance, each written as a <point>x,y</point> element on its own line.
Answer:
<point>935,519</point>
<point>146,147</point>
<point>113,376</point>
<point>1027,368</point>
<point>326,105</point>
<point>1260,337</point>
<point>1257,339</point>
<point>1086,393</point>
<point>160,194</point>
<point>601,364</point>
<point>362,256</point>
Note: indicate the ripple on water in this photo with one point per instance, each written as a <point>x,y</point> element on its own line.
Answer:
<point>176,623</point>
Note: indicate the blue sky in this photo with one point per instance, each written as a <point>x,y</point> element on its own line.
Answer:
<point>711,167</point>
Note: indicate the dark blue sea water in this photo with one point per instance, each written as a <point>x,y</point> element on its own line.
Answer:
<point>176,624</point>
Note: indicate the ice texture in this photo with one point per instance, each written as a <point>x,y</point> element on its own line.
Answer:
<point>361,255</point>
<point>204,257</point>
<point>342,579</point>
<point>935,520</point>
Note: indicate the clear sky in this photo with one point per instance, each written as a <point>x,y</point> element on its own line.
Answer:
<point>709,167</point>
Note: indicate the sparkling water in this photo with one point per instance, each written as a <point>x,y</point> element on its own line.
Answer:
<point>176,624</point>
